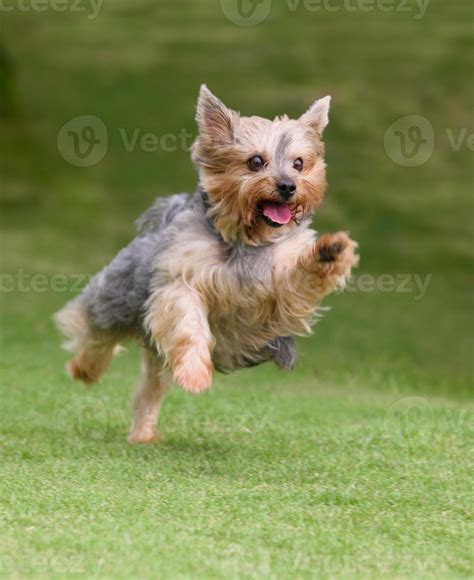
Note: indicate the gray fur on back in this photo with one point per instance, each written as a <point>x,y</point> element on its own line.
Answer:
<point>161,213</point>
<point>115,298</point>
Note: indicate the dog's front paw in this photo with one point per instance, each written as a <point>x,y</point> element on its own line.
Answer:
<point>335,256</point>
<point>195,377</point>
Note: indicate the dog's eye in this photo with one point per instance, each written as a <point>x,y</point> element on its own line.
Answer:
<point>298,164</point>
<point>256,163</point>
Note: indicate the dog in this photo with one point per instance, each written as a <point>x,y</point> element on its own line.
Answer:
<point>222,279</point>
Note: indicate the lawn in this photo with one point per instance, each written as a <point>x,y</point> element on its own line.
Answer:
<point>358,463</point>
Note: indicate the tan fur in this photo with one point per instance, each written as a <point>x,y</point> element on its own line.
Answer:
<point>204,314</point>
<point>94,350</point>
<point>178,321</point>
<point>150,389</point>
<point>225,288</point>
<point>235,193</point>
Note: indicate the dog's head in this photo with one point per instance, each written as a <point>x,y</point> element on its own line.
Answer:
<point>262,177</point>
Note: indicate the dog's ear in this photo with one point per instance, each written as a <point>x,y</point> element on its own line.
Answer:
<point>317,116</point>
<point>215,121</point>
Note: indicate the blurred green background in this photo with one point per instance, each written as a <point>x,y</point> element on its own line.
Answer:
<point>138,66</point>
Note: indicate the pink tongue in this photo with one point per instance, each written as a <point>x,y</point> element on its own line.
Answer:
<point>279,213</point>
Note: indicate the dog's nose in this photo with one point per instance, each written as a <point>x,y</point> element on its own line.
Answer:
<point>286,188</point>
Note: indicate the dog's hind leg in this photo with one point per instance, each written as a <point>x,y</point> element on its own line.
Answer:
<point>91,362</point>
<point>94,350</point>
<point>149,392</point>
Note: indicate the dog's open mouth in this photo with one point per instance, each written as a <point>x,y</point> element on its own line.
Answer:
<point>276,214</point>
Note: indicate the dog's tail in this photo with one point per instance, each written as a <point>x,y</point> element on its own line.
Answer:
<point>73,324</point>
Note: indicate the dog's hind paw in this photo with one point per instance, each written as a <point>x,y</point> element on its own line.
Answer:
<point>82,373</point>
<point>143,436</point>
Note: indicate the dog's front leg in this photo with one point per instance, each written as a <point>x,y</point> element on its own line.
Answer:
<point>327,265</point>
<point>177,321</point>
<point>320,268</point>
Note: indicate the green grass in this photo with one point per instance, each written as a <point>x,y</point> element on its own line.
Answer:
<point>357,464</point>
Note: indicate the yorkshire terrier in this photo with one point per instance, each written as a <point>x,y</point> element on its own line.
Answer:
<point>222,279</point>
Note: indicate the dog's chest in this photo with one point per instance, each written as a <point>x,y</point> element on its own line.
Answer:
<point>249,267</point>
<point>243,316</point>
